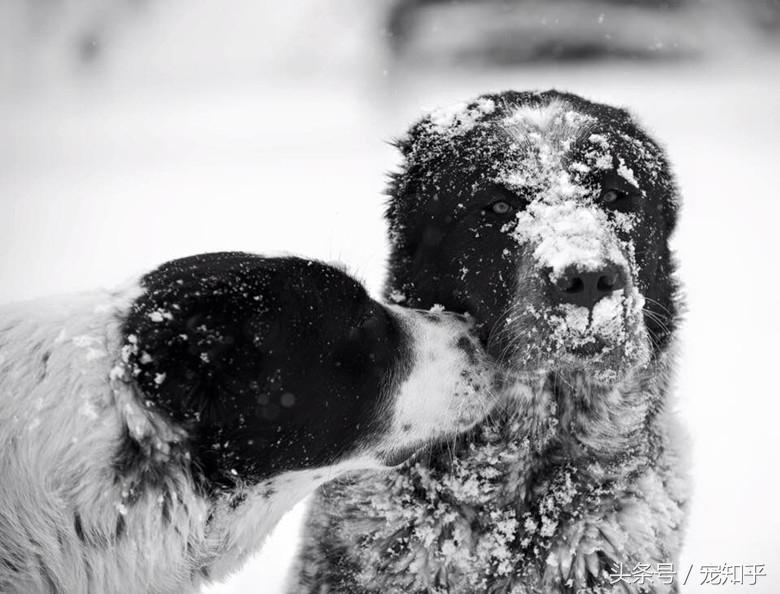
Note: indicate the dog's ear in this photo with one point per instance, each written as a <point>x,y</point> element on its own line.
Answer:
<point>177,361</point>
<point>210,338</point>
<point>189,350</point>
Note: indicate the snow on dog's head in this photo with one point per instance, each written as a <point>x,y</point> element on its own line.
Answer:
<point>547,217</point>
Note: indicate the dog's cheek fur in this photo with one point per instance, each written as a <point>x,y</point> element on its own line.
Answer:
<point>445,387</point>
<point>451,259</point>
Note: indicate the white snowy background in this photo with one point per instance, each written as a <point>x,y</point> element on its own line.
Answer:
<point>259,126</point>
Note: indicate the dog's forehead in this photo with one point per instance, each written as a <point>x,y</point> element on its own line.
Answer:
<point>554,125</point>
<point>525,144</point>
<point>541,139</point>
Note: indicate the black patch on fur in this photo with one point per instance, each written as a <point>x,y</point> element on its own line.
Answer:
<point>45,363</point>
<point>12,567</point>
<point>268,364</point>
<point>120,527</point>
<point>166,507</point>
<point>237,499</point>
<point>439,226</point>
<point>140,464</point>
<point>48,578</point>
<point>434,319</point>
<point>468,347</point>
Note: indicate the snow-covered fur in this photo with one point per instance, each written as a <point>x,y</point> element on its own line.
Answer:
<point>547,217</point>
<point>130,465</point>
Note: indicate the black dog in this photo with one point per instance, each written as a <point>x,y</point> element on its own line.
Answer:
<point>151,437</point>
<point>548,218</point>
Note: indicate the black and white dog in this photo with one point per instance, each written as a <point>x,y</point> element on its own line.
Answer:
<point>547,217</point>
<point>151,437</point>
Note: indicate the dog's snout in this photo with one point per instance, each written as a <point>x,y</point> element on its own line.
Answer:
<point>586,288</point>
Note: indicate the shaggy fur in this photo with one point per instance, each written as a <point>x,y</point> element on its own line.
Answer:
<point>146,447</point>
<point>548,218</point>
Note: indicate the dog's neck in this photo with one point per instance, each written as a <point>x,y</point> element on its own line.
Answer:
<point>555,428</point>
<point>241,520</point>
<point>566,416</point>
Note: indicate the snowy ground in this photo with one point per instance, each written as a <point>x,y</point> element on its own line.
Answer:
<point>108,173</point>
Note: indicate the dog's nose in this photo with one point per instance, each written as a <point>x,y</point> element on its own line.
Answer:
<point>586,288</point>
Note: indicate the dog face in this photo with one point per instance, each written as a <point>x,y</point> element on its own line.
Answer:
<point>547,217</point>
<point>278,364</point>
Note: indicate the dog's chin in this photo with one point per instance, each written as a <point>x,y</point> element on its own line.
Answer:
<point>604,358</point>
<point>600,369</point>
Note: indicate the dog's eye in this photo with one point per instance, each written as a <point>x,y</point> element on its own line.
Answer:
<point>613,197</point>
<point>501,207</point>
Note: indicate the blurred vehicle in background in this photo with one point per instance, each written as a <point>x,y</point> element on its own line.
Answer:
<point>507,32</point>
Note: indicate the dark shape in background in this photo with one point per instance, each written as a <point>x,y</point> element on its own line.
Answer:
<point>507,32</point>
<point>424,32</point>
